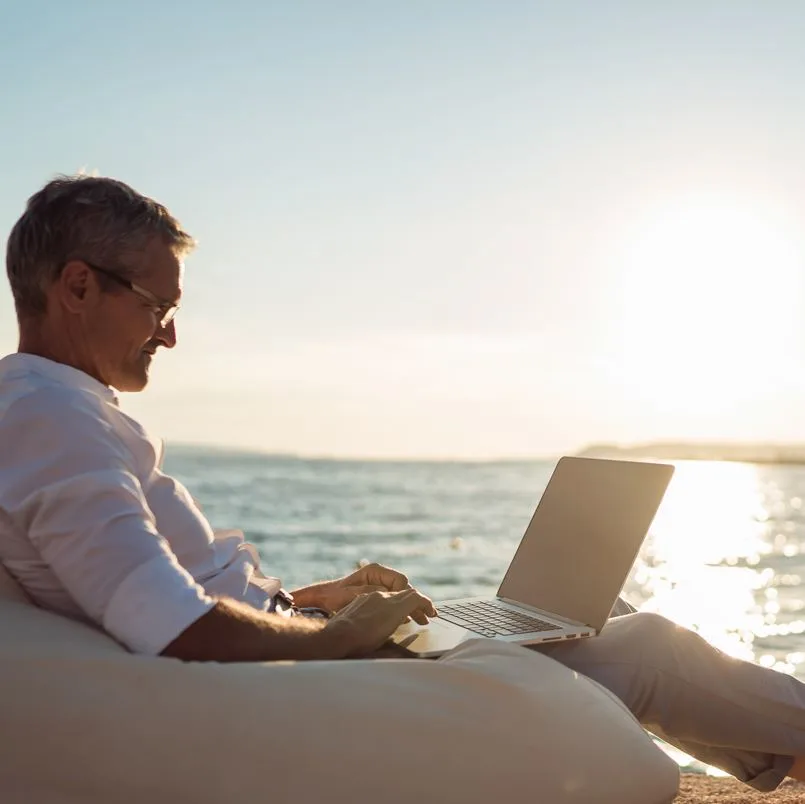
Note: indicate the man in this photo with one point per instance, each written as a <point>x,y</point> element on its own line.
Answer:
<point>92,528</point>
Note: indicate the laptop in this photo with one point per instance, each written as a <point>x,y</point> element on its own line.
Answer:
<point>571,564</point>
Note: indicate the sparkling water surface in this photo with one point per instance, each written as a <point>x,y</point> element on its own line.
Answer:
<point>724,556</point>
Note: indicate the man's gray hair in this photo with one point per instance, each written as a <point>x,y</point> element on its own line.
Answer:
<point>93,218</point>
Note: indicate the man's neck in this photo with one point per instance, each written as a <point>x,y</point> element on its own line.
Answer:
<point>35,339</point>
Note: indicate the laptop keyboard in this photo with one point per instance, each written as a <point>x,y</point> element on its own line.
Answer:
<point>489,620</point>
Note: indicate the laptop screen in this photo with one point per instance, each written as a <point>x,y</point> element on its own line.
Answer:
<point>580,545</point>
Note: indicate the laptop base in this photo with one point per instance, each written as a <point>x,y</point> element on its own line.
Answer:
<point>440,636</point>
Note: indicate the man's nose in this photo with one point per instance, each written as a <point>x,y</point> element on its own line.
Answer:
<point>167,335</point>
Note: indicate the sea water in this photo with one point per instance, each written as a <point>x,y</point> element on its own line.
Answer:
<point>724,556</point>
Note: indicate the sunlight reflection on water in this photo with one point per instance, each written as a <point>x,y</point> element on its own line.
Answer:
<point>723,557</point>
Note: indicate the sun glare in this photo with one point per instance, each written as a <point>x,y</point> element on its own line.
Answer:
<point>707,295</point>
<point>706,543</point>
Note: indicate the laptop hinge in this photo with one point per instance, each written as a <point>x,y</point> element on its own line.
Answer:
<point>543,613</point>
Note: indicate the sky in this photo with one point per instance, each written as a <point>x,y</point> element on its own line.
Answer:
<point>448,230</point>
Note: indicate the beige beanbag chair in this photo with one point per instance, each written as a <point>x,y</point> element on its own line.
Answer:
<point>84,721</point>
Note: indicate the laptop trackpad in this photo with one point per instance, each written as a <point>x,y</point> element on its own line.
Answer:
<point>433,639</point>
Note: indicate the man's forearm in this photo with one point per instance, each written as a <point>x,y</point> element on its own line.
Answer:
<point>235,632</point>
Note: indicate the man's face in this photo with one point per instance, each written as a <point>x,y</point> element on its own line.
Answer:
<point>126,330</point>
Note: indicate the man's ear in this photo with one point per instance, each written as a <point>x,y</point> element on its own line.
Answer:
<point>76,287</point>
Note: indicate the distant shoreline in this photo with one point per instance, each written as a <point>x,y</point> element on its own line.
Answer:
<point>774,454</point>
<point>792,455</point>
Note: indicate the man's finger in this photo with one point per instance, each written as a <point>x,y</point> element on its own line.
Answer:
<point>391,579</point>
<point>397,582</point>
<point>413,604</point>
<point>420,617</point>
<point>426,603</point>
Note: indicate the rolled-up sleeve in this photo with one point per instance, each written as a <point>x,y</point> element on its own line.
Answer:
<point>71,484</point>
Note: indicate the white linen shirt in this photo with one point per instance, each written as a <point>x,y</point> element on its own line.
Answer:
<point>92,528</point>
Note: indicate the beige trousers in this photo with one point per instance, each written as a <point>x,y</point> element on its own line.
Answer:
<point>735,715</point>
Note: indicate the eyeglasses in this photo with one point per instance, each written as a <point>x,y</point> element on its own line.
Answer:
<point>166,310</point>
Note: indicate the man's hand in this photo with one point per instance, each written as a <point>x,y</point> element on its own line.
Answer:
<point>369,620</point>
<point>334,595</point>
<point>378,575</point>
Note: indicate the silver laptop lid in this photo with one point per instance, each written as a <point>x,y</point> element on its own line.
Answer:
<point>580,545</point>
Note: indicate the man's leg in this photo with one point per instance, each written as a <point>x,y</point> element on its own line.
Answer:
<point>738,716</point>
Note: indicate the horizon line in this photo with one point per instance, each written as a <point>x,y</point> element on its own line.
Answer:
<point>640,449</point>
<point>317,456</point>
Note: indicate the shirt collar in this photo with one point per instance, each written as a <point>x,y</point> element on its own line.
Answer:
<point>21,363</point>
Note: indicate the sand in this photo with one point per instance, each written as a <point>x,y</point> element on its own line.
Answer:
<point>700,789</point>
